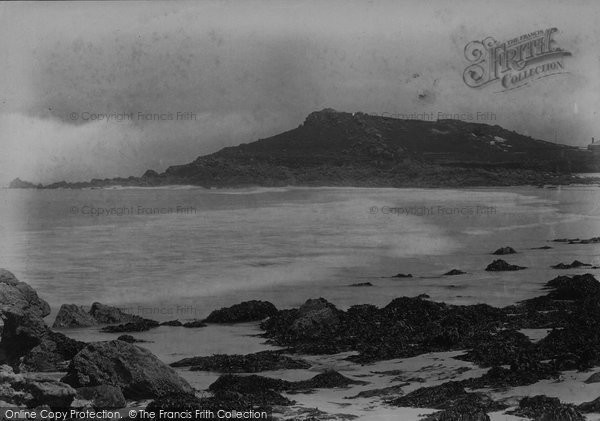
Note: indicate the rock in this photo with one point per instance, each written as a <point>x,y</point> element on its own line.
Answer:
<point>402,275</point>
<point>15,294</point>
<point>575,264</point>
<point>266,389</point>
<point>454,272</point>
<point>541,248</point>
<point>543,408</point>
<point>194,323</point>
<point>108,315</point>
<point>20,334</point>
<point>129,339</point>
<point>176,402</point>
<point>592,406</point>
<point>395,391</point>
<point>326,380</point>
<point>136,371</point>
<point>140,325</point>
<point>12,387</point>
<point>22,313</point>
<point>500,265</point>
<point>18,390</point>
<point>17,183</point>
<point>71,315</point>
<point>172,323</point>
<point>447,395</point>
<point>460,412</point>
<point>103,396</point>
<point>504,250</point>
<point>51,354</point>
<point>578,287</point>
<point>150,174</point>
<point>253,388</point>
<point>250,363</point>
<point>246,311</point>
<point>594,378</point>
<point>362,284</point>
<point>316,317</point>
<point>50,392</point>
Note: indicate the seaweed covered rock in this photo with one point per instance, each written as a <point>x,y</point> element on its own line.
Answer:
<point>208,407</point>
<point>448,395</point>
<point>315,318</point>
<point>250,363</point>
<point>500,265</point>
<point>592,406</point>
<point>578,287</point>
<point>247,311</point>
<point>461,412</point>
<point>544,408</point>
<point>266,391</point>
<point>253,389</point>
<point>499,348</point>
<point>136,371</point>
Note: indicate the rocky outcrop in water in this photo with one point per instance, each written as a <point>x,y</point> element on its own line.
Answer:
<point>454,272</point>
<point>501,266</point>
<point>574,265</point>
<point>504,250</point>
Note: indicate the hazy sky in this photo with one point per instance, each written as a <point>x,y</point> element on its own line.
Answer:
<point>251,69</point>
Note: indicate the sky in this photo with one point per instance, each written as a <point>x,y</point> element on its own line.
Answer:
<point>240,71</point>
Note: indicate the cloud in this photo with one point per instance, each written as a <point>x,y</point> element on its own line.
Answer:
<point>253,69</point>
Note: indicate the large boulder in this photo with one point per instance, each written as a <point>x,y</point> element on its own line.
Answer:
<point>315,317</point>
<point>72,315</point>
<point>19,390</point>
<point>246,311</point>
<point>51,354</point>
<point>22,313</point>
<point>17,295</point>
<point>136,371</point>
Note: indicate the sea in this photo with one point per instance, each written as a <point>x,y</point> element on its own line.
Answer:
<point>179,252</point>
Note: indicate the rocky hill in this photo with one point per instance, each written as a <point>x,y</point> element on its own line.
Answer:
<point>344,149</point>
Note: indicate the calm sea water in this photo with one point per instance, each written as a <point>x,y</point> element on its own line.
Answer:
<point>181,252</point>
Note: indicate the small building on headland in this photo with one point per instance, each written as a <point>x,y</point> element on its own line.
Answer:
<point>594,147</point>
